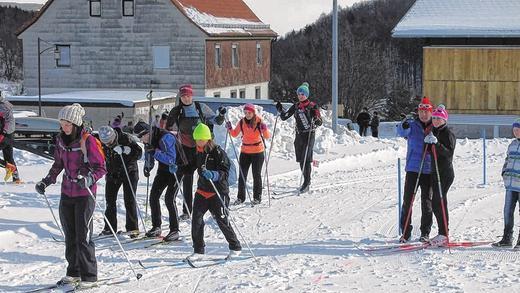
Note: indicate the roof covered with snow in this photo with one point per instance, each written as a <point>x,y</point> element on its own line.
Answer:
<point>460,19</point>
<point>224,18</point>
<point>124,98</point>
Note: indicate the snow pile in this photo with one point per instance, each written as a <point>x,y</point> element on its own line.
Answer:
<point>283,145</point>
<point>24,158</point>
<point>9,88</point>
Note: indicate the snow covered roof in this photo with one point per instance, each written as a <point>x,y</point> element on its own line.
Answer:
<point>124,98</point>
<point>460,19</point>
<point>224,18</point>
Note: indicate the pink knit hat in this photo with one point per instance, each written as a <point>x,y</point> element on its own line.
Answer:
<point>440,112</point>
<point>250,108</point>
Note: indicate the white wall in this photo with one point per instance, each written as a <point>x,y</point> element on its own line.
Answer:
<point>225,92</point>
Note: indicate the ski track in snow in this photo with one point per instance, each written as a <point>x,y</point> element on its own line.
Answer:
<point>306,243</point>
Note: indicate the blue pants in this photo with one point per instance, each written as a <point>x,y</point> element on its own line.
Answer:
<point>512,197</point>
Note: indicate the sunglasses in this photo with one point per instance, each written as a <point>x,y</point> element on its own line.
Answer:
<point>436,118</point>
<point>425,106</point>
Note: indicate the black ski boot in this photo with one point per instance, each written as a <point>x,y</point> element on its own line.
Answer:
<point>517,246</point>
<point>425,238</point>
<point>154,232</point>
<point>172,236</point>
<point>506,241</point>
<point>305,187</point>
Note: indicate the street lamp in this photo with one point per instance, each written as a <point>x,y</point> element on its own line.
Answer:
<point>56,57</point>
<point>335,65</point>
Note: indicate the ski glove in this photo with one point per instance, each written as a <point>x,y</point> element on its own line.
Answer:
<point>86,182</point>
<point>173,168</point>
<point>318,122</point>
<point>40,187</point>
<point>146,172</point>
<point>229,126</point>
<point>222,111</point>
<point>122,150</point>
<point>263,127</point>
<point>279,107</point>
<point>211,175</point>
<point>430,139</point>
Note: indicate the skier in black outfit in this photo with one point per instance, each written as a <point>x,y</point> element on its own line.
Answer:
<point>162,149</point>
<point>307,115</point>
<point>184,118</point>
<point>444,141</point>
<point>363,120</point>
<point>374,124</point>
<point>213,168</point>
<point>119,146</point>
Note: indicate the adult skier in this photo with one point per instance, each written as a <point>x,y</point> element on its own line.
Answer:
<point>77,153</point>
<point>307,115</point>
<point>119,146</point>
<point>254,131</point>
<point>7,126</point>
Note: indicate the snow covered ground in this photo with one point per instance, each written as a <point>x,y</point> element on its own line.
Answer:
<point>309,243</point>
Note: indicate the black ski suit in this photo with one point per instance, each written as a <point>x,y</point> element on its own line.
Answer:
<point>374,126</point>
<point>116,177</point>
<point>445,149</point>
<point>363,120</point>
<point>207,199</point>
<point>307,115</point>
<point>184,123</point>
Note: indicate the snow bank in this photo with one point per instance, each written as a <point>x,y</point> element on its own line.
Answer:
<point>283,146</point>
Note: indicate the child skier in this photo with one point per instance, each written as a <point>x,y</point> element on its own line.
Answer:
<point>119,146</point>
<point>511,176</point>
<point>162,150</point>
<point>307,115</point>
<point>254,131</point>
<point>213,169</point>
<point>443,140</point>
<point>79,154</point>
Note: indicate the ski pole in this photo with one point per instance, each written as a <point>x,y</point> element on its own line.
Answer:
<point>266,170</point>
<point>137,275</point>
<point>147,186</point>
<point>443,207</point>
<point>53,215</point>
<point>133,192</point>
<point>305,158</point>
<point>271,147</point>
<point>230,218</point>
<point>409,212</point>
<point>182,192</point>
<point>239,167</point>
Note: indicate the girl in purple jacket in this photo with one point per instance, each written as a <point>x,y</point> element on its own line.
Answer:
<point>78,154</point>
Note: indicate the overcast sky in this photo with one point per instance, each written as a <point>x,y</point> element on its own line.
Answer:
<point>283,15</point>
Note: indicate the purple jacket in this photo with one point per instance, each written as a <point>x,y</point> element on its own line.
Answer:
<point>71,160</point>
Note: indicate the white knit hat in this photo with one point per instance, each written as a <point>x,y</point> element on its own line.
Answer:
<point>107,135</point>
<point>73,113</point>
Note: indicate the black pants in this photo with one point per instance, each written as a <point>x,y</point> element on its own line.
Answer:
<point>375,132</point>
<point>200,206</point>
<point>446,181</point>
<point>246,160</point>
<point>75,213</point>
<point>162,180</point>
<point>112,187</point>
<point>363,130</point>
<point>186,173</point>
<point>426,203</point>
<point>7,150</point>
<point>300,147</point>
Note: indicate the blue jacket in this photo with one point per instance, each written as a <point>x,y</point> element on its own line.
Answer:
<point>511,168</point>
<point>415,135</point>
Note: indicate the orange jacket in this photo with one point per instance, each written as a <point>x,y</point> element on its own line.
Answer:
<point>251,140</point>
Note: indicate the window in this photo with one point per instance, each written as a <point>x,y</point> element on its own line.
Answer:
<point>216,94</point>
<point>161,57</point>
<point>64,60</point>
<point>218,56</point>
<point>258,93</point>
<point>128,7</point>
<point>95,8</point>
<point>242,93</point>
<point>233,94</point>
<point>258,54</point>
<point>234,55</point>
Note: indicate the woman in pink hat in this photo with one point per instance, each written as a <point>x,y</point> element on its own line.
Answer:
<point>444,141</point>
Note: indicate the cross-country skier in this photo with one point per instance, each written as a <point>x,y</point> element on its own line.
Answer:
<point>415,130</point>
<point>184,118</point>
<point>119,146</point>
<point>213,169</point>
<point>253,130</point>
<point>511,176</point>
<point>78,154</point>
<point>163,150</point>
<point>307,115</point>
<point>7,126</point>
<point>444,142</point>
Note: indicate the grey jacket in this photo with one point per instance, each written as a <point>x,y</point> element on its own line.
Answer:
<point>6,111</point>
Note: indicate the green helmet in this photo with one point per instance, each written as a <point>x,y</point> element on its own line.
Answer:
<point>202,132</point>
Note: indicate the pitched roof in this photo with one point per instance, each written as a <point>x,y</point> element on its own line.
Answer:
<point>460,18</point>
<point>229,18</point>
